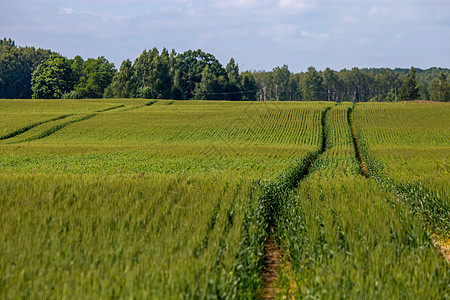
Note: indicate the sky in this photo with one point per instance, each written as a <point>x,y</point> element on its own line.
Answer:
<point>258,34</point>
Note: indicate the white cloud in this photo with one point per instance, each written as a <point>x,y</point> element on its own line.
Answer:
<point>347,19</point>
<point>290,34</point>
<point>325,32</point>
<point>321,37</point>
<point>363,41</point>
<point>296,6</point>
<point>280,31</point>
<point>379,12</point>
<point>240,4</point>
<point>66,11</point>
<point>107,17</point>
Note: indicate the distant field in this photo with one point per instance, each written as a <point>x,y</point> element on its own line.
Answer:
<point>412,140</point>
<point>254,139</point>
<point>178,199</point>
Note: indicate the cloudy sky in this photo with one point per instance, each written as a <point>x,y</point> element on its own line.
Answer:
<point>259,34</point>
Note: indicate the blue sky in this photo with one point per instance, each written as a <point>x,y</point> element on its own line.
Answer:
<point>259,34</point>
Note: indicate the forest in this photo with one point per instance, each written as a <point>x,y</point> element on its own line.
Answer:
<point>27,72</point>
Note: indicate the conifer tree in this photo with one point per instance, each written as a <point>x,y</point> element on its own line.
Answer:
<point>409,89</point>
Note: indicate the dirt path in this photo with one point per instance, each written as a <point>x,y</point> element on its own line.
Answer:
<point>362,164</point>
<point>270,273</point>
<point>443,246</point>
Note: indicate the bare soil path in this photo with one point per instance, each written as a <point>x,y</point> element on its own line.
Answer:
<point>270,273</point>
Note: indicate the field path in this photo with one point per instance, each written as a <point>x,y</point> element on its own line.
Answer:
<point>28,127</point>
<point>57,127</point>
<point>442,245</point>
<point>270,273</point>
<point>362,164</point>
<point>272,252</point>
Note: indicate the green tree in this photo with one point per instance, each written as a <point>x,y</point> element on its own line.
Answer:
<point>422,92</point>
<point>160,79</point>
<point>232,70</point>
<point>439,89</point>
<point>52,78</point>
<point>386,84</point>
<point>293,89</point>
<point>16,67</point>
<point>249,86</point>
<point>122,85</point>
<point>207,87</point>
<point>311,85</point>
<point>142,68</point>
<point>409,89</point>
<point>96,76</point>
<point>263,80</point>
<point>331,85</point>
<point>178,92</point>
<point>232,83</point>
<point>191,65</point>
<point>281,80</point>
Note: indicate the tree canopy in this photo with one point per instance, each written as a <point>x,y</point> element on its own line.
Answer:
<point>52,78</point>
<point>16,66</point>
<point>28,72</point>
<point>439,89</point>
<point>409,89</point>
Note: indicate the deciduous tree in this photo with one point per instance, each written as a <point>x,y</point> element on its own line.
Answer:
<point>53,78</point>
<point>440,89</point>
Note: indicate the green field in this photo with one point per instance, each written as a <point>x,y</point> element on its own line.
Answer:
<point>122,198</point>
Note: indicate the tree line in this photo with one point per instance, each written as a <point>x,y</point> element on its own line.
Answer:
<point>27,72</point>
<point>354,85</point>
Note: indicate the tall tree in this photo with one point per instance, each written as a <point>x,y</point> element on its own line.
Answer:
<point>232,82</point>
<point>96,76</point>
<point>16,67</point>
<point>206,89</point>
<point>409,89</point>
<point>160,78</point>
<point>293,92</point>
<point>191,65</point>
<point>440,89</point>
<point>249,86</point>
<point>53,78</point>
<point>359,85</point>
<point>331,85</point>
<point>122,85</point>
<point>281,80</point>
<point>264,82</point>
<point>311,85</point>
<point>232,70</point>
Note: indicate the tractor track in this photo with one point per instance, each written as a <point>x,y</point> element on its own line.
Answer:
<point>55,128</point>
<point>272,252</point>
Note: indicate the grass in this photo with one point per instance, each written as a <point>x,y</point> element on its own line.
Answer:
<point>345,236</point>
<point>408,145</point>
<point>127,202</point>
<point>176,199</point>
<point>94,237</point>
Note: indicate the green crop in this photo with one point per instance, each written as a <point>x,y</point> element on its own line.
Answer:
<point>344,236</point>
<point>409,144</point>
<point>164,199</point>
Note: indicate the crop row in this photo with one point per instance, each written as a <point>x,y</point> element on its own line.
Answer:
<point>347,238</point>
<point>429,197</point>
<point>172,201</point>
<point>31,126</point>
<point>399,125</point>
<point>344,236</point>
<point>430,204</point>
<point>87,237</point>
<point>174,221</point>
